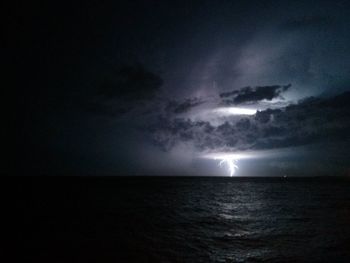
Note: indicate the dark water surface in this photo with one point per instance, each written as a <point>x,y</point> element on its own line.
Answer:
<point>108,219</point>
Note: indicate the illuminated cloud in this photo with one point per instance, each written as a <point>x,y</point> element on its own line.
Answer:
<point>235,111</point>
<point>309,121</point>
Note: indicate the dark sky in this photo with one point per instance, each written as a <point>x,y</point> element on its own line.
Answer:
<point>151,87</point>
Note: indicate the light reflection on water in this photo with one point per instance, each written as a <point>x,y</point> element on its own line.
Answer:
<point>197,219</point>
<point>258,221</point>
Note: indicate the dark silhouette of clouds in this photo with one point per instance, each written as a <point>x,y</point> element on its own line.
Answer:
<point>133,83</point>
<point>253,94</point>
<point>308,22</point>
<point>121,90</point>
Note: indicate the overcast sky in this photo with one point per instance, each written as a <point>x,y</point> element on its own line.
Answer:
<point>146,87</point>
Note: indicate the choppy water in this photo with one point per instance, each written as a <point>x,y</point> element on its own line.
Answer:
<point>183,220</point>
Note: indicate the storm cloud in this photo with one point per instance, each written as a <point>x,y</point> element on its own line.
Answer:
<point>98,81</point>
<point>310,121</point>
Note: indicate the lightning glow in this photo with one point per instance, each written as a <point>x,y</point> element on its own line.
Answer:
<point>230,158</point>
<point>235,111</point>
<point>230,164</point>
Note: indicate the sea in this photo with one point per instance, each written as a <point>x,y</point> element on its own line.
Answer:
<point>177,219</point>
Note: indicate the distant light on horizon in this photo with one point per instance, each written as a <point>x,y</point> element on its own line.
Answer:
<point>235,111</point>
<point>229,159</point>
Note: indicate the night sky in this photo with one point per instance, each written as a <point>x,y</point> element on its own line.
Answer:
<point>170,87</point>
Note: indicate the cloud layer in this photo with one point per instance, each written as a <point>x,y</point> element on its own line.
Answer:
<point>310,121</point>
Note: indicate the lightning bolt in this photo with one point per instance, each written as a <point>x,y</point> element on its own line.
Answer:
<point>230,164</point>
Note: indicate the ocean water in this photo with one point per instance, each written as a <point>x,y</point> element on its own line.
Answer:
<point>150,219</point>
